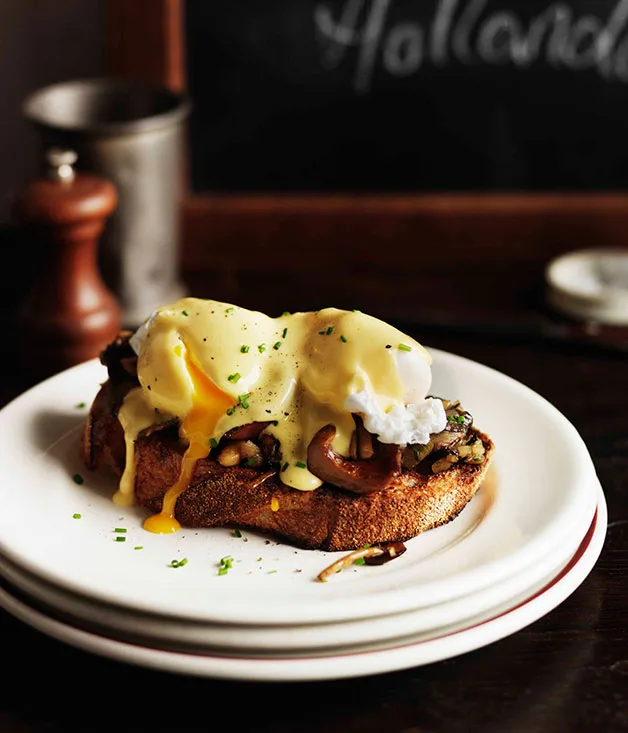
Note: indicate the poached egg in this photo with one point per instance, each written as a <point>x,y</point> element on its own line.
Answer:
<point>215,366</point>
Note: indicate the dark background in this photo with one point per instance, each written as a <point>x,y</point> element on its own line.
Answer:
<point>257,75</point>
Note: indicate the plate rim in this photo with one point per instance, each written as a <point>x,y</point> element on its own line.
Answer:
<point>407,656</point>
<point>409,600</point>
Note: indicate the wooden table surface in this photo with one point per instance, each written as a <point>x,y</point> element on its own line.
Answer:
<point>565,673</point>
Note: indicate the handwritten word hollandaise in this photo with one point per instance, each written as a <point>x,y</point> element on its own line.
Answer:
<point>215,366</point>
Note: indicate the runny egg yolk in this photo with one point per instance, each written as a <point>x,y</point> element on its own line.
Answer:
<point>209,404</point>
<point>215,367</point>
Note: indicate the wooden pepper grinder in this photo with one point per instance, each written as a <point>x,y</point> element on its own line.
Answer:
<point>69,316</point>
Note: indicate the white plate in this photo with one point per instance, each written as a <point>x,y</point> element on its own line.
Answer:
<point>189,635</point>
<point>544,485</point>
<point>357,664</point>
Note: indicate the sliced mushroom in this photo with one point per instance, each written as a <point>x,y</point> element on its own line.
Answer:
<point>363,439</point>
<point>250,431</point>
<point>120,359</point>
<point>412,455</point>
<point>240,450</point>
<point>360,476</point>
<point>459,422</point>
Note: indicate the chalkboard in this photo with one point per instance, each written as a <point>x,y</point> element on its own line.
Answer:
<point>408,95</point>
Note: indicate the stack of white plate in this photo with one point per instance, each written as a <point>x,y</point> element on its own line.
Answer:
<point>81,569</point>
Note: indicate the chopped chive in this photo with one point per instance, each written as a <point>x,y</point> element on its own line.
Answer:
<point>78,479</point>
<point>80,405</point>
<point>244,349</point>
<point>237,533</point>
<point>261,348</point>
<point>343,339</point>
<point>330,330</point>
<point>185,313</point>
<point>120,539</point>
<point>138,547</point>
<point>276,345</point>
<point>229,310</point>
<point>285,331</point>
<point>285,465</point>
<point>230,410</point>
<point>226,563</point>
<point>178,563</point>
<point>259,559</point>
<point>251,462</point>
<point>286,313</point>
<point>359,561</point>
<point>300,464</point>
<point>213,442</point>
<point>120,530</point>
<point>271,572</point>
<point>234,377</point>
<point>76,516</point>
<point>243,399</point>
<point>404,347</point>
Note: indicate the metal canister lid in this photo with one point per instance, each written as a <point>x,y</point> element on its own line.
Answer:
<point>590,285</point>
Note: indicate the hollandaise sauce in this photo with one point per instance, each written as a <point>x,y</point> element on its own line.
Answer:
<point>216,366</point>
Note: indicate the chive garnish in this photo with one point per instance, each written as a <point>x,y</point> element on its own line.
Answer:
<point>225,564</point>
<point>230,410</point>
<point>138,547</point>
<point>78,479</point>
<point>285,331</point>
<point>251,462</point>
<point>244,349</point>
<point>80,405</point>
<point>286,313</point>
<point>261,348</point>
<point>120,539</point>
<point>213,442</point>
<point>178,563</point>
<point>229,310</point>
<point>330,330</point>
<point>276,345</point>
<point>404,347</point>
<point>300,464</point>
<point>234,377</point>
<point>237,533</point>
<point>185,313</point>
<point>285,465</point>
<point>76,516</point>
<point>343,339</point>
<point>120,530</point>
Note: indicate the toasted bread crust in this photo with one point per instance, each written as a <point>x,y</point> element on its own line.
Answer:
<point>327,518</point>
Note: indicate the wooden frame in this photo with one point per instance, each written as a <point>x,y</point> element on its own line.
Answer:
<point>388,253</point>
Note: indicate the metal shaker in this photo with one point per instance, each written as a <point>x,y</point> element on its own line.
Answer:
<point>134,135</point>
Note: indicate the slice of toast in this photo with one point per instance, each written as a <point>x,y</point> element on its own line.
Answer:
<point>328,518</point>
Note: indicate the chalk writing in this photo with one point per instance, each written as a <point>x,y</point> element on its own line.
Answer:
<point>468,32</point>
